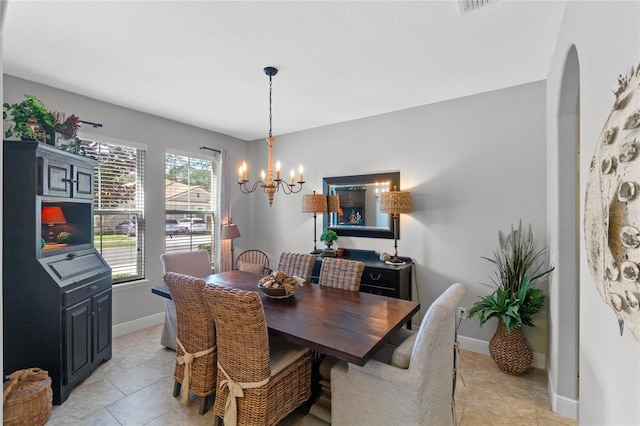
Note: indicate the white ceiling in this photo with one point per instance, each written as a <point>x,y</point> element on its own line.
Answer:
<point>200,62</point>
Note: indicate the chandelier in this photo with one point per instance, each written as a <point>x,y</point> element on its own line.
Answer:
<point>268,184</point>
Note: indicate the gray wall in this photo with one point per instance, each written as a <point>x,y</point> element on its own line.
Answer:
<point>134,301</point>
<point>606,37</point>
<point>474,165</point>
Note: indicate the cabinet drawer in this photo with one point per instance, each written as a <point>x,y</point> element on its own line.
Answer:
<point>379,278</point>
<point>383,291</point>
<point>85,291</point>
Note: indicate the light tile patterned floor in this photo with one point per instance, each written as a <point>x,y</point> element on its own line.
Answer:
<point>135,388</point>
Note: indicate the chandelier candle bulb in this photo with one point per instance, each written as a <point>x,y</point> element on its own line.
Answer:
<point>263,176</point>
<point>278,170</point>
<point>292,181</point>
<point>301,175</point>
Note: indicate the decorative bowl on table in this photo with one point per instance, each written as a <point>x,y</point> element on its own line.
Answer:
<point>278,285</point>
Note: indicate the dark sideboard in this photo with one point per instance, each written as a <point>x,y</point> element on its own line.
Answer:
<point>378,277</point>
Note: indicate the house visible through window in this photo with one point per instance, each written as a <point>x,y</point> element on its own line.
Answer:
<point>191,200</point>
<point>119,207</point>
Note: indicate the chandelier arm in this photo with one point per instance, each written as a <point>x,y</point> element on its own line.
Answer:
<point>245,190</point>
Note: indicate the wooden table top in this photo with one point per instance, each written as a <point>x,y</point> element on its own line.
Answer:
<point>349,325</point>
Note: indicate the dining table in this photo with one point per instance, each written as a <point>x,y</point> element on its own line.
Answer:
<point>349,325</point>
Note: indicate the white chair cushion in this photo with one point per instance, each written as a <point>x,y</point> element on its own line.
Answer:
<point>282,353</point>
<point>256,268</point>
<point>400,336</point>
<point>402,355</point>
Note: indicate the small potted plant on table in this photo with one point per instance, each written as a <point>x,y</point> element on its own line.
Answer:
<point>329,236</point>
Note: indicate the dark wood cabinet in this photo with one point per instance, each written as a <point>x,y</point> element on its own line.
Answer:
<point>57,306</point>
<point>352,206</point>
<point>378,277</point>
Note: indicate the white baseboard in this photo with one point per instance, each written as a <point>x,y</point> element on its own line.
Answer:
<point>565,406</point>
<point>560,404</point>
<point>137,324</point>
<point>482,347</point>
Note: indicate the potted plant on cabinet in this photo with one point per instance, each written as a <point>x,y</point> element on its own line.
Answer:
<point>515,300</point>
<point>31,119</point>
<point>328,236</point>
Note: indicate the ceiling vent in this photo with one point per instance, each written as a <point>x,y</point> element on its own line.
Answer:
<point>470,5</point>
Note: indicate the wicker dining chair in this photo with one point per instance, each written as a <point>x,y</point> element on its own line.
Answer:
<point>341,273</point>
<point>298,264</point>
<point>250,259</point>
<point>196,337</point>
<point>194,263</point>
<point>275,376</point>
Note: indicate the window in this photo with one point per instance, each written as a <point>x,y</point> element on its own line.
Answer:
<point>119,207</point>
<point>191,198</point>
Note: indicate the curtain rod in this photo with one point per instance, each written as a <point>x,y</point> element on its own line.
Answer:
<point>211,149</point>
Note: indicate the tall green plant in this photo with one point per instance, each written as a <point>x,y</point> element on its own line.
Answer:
<point>514,301</point>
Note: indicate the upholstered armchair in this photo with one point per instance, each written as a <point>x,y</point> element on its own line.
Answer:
<point>420,394</point>
<point>194,263</point>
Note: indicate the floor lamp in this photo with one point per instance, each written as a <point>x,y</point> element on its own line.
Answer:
<point>395,203</point>
<point>314,203</point>
<point>230,232</point>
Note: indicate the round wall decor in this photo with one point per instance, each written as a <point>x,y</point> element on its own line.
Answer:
<point>612,209</point>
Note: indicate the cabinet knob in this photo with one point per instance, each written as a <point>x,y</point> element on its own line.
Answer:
<point>94,287</point>
<point>375,278</point>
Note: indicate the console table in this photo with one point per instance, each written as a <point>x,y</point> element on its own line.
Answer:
<point>378,277</point>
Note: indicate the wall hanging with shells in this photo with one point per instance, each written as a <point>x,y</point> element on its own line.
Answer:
<point>612,206</point>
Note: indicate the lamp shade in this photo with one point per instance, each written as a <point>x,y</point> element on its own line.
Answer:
<point>52,215</point>
<point>229,232</point>
<point>395,202</point>
<point>314,203</point>
<point>334,203</point>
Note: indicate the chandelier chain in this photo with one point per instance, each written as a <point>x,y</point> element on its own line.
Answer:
<point>270,115</point>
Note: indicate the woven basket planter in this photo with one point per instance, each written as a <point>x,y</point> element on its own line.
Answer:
<point>510,351</point>
<point>27,398</point>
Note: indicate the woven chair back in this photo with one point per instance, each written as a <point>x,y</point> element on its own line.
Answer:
<point>195,263</point>
<point>241,327</point>
<point>298,264</point>
<point>341,273</point>
<point>196,331</point>
<point>255,257</point>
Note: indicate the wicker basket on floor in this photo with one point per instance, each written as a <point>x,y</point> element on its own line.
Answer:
<point>510,351</point>
<point>27,398</point>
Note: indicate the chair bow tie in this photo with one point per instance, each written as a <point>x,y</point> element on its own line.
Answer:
<point>187,360</point>
<point>235,391</point>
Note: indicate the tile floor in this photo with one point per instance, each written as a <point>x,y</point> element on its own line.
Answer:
<point>135,388</point>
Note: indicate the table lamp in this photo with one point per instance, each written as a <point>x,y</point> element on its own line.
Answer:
<point>314,203</point>
<point>230,231</point>
<point>333,203</point>
<point>52,215</point>
<point>395,202</point>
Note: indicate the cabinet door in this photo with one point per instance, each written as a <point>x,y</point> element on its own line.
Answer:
<point>77,339</point>
<point>56,178</point>
<point>102,324</point>
<point>83,182</point>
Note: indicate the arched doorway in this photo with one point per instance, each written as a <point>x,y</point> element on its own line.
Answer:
<point>564,285</point>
